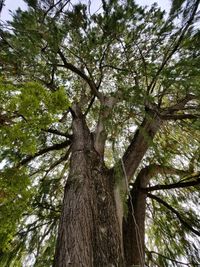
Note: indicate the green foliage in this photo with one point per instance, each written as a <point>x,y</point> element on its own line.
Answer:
<point>167,238</point>
<point>15,194</point>
<point>28,108</point>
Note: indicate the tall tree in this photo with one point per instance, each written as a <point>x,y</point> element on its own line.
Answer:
<point>100,135</point>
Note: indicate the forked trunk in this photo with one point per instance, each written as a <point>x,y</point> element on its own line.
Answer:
<point>89,231</point>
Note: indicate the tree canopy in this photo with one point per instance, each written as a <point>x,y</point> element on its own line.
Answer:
<point>128,68</point>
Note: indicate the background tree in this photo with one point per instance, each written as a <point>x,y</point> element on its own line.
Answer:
<point>100,109</point>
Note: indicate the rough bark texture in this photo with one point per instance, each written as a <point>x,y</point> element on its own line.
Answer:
<point>89,231</point>
<point>133,230</point>
<point>141,142</point>
<point>134,224</point>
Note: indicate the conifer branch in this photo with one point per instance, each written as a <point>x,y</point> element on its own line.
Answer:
<point>180,117</point>
<point>170,259</point>
<point>141,141</point>
<point>153,170</point>
<point>44,151</point>
<point>173,186</point>
<point>80,73</point>
<point>168,56</point>
<point>187,225</point>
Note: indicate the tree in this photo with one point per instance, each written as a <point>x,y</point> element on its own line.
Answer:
<point>100,109</point>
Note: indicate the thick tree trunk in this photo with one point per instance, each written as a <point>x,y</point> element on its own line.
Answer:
<point>89,232</point>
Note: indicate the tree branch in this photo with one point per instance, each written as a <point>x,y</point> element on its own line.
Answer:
<point>147,130</point>
<point>1,5</point>
<point>51,7</point>
<point>29,228</point>
<point>53,131</point>
<point>170,259</point>
<point>173,186</point>
<point>140,143</point>
<point>100,131</point>
<point>145,65</point>
<point>89,106</point>
<point>187,225</point>
<point>153,170</point>
<point>179,105</point>
<point>180,117</point>
<point>168,113</point>
<point>80,73</point>
<point>63,158</point>
<point>45,150</point>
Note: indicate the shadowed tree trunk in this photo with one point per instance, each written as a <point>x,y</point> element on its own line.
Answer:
<point>134,223</point>
<point>134,230</point>
<point>89,232</point>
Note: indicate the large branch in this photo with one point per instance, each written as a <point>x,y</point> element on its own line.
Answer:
<point>179,105</point>
<point>44,151</point>
<point>173,186</point>
<point>147,130</point>
<point>153,170</point>
<point>170,259</point>
<point>180,117</point>
<point>187,225</point>
<point>100,131</point>
<point>140,143</point>
<point>81,74</point>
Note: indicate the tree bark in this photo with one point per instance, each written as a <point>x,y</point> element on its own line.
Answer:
<point>89,231</point>
<point>134,230</point>
<point>141,141</point>
<point>134,223</point>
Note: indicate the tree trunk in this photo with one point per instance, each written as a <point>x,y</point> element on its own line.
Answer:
<point>89,231</point>
<point>134,223</point>
<point>134,230</point>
